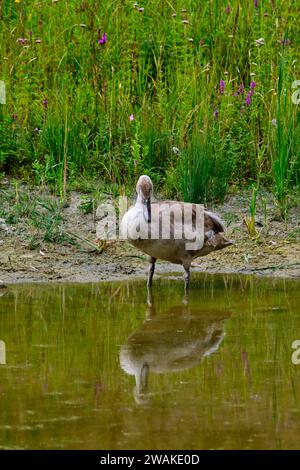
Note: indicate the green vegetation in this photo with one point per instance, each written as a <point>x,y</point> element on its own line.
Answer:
<point>39,217</point>
<point>250,219</point>
<point>196,94</point>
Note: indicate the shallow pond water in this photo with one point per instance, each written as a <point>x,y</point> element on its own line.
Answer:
<point>109,366</point>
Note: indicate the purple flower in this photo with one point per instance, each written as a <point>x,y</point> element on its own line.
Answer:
<point>216,114</point>
<point>103,39</point>
<point>285,42</point>
<point>255,2</point>
<point>227,10</point>
<point>248,99</point>
<point>131,117</point>
<point>45,103</point>
<point>252,85</point>
<point>240,90</point>
<point>222,86</point>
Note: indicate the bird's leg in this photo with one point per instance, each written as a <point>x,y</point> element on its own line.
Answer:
<point>187,266</point>
<point>187,278</point>
<point>151,270</point>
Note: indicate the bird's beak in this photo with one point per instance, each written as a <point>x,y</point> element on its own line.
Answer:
<point>147,211</point>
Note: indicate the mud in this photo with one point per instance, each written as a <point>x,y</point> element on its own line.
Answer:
<point>275,251</point>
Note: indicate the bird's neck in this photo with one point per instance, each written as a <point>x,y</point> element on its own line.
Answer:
<point>139,201</point>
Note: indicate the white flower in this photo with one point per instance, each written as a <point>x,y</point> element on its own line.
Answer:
<point>175,150</point>
<point>274,122</point>
<point>259,42</point>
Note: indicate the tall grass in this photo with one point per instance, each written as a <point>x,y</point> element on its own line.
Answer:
<point>69,98</point>
<point>286,145</point>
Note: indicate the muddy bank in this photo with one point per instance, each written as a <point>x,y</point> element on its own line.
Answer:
<point>276,250</point>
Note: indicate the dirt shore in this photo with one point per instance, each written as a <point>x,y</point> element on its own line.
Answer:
<point>275,252</point>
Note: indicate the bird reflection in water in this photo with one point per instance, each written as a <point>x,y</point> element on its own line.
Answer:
<point>175,340</point>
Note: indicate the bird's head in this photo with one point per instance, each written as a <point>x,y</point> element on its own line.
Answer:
<point>144,189</point>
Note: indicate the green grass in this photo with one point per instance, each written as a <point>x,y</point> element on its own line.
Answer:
<point>39,218</point>
<point>163,68</point>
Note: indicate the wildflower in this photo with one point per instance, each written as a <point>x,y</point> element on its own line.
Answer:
<point>174,14</point>
<point>285,42</point>
<point>248,99</point>
<point>222,86</point>
<point>241,89</point>
<point>227,10</point>
<point>175,150</point>
<point>255,2</point>
<point>201,42</point>
<point>135,5</point>
<point>190,39</point>
<point>45,103</point>
<point>103,39</point>
<point>131,117</point>
<point>274,122</point>
<point>185,21</point>
<point>252,85</point>
<point>216,114</point>
<point>38,41</point>
<point>259,42</point>
<point>82,25</point>
<point>141,10</point>
<point>21,41</point>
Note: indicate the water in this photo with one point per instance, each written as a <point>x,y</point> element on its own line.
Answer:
<point>107,366</point>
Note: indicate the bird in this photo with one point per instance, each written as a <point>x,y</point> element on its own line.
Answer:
<point>173,340</point>
<point>144,224</point>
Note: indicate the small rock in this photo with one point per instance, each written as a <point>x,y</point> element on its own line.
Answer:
<point>3,225</point>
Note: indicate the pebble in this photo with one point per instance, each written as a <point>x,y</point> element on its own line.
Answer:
<point>3,225</point>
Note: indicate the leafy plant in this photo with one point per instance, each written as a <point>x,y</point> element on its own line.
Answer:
<point>249,220</point>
